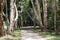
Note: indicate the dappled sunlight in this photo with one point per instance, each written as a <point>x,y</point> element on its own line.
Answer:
<point>50,37</point>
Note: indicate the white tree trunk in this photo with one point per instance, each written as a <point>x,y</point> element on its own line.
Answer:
<point>12,12</point>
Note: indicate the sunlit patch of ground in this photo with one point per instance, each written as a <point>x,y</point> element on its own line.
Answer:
<point>30,35</point>
<point>16,36</point>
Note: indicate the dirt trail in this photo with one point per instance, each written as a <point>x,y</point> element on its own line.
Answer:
<point>30,35</point>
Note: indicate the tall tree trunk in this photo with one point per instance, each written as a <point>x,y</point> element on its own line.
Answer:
<point>16,15</point>
<point>21,21</point>
<point>44,2</point>
<point>2,31</point>
<point>37,12</point>
<point>54,7</point>
<point>34,21</point>
<point>12,12</point>
<point>7,20</point>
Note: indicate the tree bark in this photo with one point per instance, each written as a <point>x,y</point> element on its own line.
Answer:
<point>34,21</point>
<point>2,31</point>
<point>21,21</point>
<point>39,15</point>
<point>44,2</point>
<point>37,12</point>
<point>16,15</point>
<point>54,7</point>
<point>12,12</point>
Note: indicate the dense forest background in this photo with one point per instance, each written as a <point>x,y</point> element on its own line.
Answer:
<point>21,13</point>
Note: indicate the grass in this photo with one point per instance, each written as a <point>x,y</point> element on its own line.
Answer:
<point>16,36</point>
<point>17,33</point>
<point>48,35</point>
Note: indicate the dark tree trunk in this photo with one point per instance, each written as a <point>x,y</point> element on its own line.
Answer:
<point>2,31</point>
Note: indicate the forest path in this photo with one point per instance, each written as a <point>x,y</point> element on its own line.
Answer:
<point>30,35</point>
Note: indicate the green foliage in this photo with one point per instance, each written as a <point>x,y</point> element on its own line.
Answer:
<point>27,2</point>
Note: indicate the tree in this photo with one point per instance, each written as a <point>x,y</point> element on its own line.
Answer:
<point>54,7</point>
<point>2,31</point>
<point>39,15</point>
<point>44,2</point>
<point>12,13</point>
